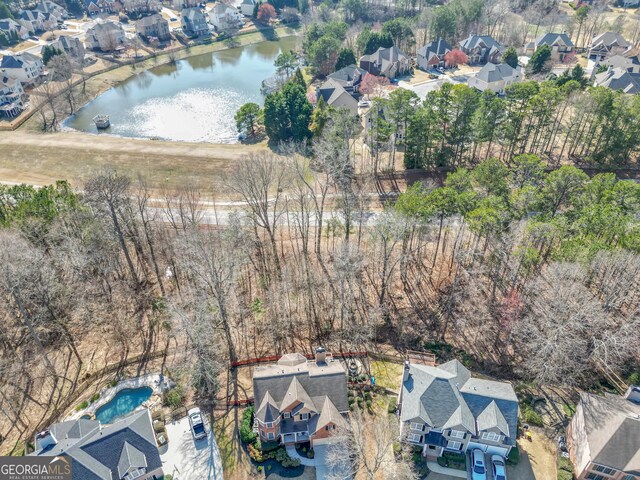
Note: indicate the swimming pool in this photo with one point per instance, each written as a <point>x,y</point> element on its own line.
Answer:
<point>124,402</point>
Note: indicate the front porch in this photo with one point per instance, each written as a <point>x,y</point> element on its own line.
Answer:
<point>294,437</point>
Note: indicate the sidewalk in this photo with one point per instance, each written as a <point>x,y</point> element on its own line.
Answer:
<point>434,467</point>
<point>293,453</point>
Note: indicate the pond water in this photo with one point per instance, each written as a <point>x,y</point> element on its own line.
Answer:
<point>192,100</point>
<point>124,402</point>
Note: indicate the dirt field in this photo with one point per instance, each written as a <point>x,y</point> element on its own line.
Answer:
<point>43,158</point>
<point>537,459</point>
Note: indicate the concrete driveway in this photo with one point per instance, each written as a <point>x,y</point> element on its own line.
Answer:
<point>187,459</point>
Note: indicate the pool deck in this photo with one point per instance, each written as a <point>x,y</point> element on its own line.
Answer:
<point>158,383</point>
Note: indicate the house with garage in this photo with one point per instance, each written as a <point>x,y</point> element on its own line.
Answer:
<point>247,7</point>
<point>560,44</point>
<point>36,21</point>
<point>300,400</point>
<point>24,67</point>
<point>603,437</point>
<point>71,46</point>
<point>495,77</point>
<point>12,97</point>
<point>608,44</point>
<point>102,6</point>
<point>481,49</point>
<point>630,64</point>
<point>444,409</point>
<point>124,450</point>
<point>335,95</point>
<point>432,54</point>
<point>386,62</point>
<point>194,23</point>
<point>52,8</point>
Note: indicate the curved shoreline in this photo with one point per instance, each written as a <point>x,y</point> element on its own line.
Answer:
<point>102,81</point>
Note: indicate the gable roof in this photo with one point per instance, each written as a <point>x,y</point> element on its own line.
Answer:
<point>330,414</point>
<point>619,79</point>
<point>385,58</point>
<point>612,427</point>
<point>621,61</point>
<point>348,74</point>
<point>436,48</point>
<point>334,94</point>
<point>553,39</point>
<point>8,24</point>
<point>296,393</point>
<point>268,410</point>
<point>105,27</point>
<point>447,396</point>
<point>193,13</point>
<point>316,380</point>
<point>18,60</point>
<point>485,41</point>
<point>494,73</point>
<point>130,457</point>
<point>96,451</point>
<point>609,40</point>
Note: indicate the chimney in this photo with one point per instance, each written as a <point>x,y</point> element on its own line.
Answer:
<point>633,394</point>
<point>44,440</point>
<point>321,355</point>
<point>405,373</point>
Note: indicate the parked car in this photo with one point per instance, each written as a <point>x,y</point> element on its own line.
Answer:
<point>33,37</point>
<point>499,471</point>
<point>364,103</point>
<point>173,19</point>
<point>196,421</point>
<point>63,27</point>
<point>562,443</point>
<point>479,471</point>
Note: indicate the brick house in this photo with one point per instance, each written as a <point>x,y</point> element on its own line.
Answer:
<point>560,44</point>
<point>299,400</point>
<point>481,49</point>
<point>604,436</point>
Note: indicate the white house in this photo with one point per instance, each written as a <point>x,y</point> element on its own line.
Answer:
<point>495,77</point>
<point>24,67</point>
<point>224,17</point>
<point>106,36</point>
<point>12,97</point>
<point>11,28</point>
<point>47,6</point>
<point>36,21</point>
<point>247,7</point>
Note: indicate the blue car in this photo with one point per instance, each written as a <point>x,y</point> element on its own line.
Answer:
<point>479,471</point>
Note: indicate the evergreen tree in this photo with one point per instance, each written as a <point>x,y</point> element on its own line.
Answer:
<point>4,11</point>
<point>539,59</point>
<point>299,79</point>
<point>510,57</point>
<point>346,57</point>
<point>48,52</point>
<point>287,114</point>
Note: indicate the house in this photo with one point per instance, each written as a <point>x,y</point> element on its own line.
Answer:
<point>180,4</point>
<point>604,436</point>
<point>224,17</point>
<point>619,79</point>
<point>608,44</point>
<point>101,6</point>
<point>35,21</point>
<point>335,95</point>
<point>299,400</point>
<point>560,44</point>
<point>153,26</point>
<point>247,7</point>
<point>106,36</point>
<point>629,63</point>
<point>140,6</point>
<point>13,29</point>
<point>349,77</point>
<point>24,67</point>
<point>12,97</point>
<point>124,450</point>
<point>444,409</point>
<point>495,77</point>
<point>52,8</point>
<point>481,49</point>
<point>71,46</point>
<point>194,23</point>
<point>388,62</point>
<point>432,54</point>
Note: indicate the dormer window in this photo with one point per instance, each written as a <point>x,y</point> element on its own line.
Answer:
<point>132,474</point>
<point>286,415</point>
<point>491,436</point>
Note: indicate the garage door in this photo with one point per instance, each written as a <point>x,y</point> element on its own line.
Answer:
<point>488,449</point>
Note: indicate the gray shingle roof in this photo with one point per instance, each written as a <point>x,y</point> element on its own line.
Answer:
<point>17,61</point>
<point>494,73</point>
<point>334,94</point>
<point>97,454</point>
<point>446,396</point>
<point>329,414</point>
<point>484,41</point>
<point>385,58</point>
<point>619,79</point>
<point>552,39</point>
<point>438,47</point>
<point>348,73</point>
<point>268,410</point>
<point>130,457</point>
<point>609,40</point>
<point>621,61</point>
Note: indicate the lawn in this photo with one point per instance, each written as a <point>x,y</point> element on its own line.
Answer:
<point>388,374</point>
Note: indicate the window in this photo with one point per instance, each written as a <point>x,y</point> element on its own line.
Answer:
<point>494,437</point>
<point>630,477</point>
<point>268,424</point>
<point>304,416</point>
<point>452,445</point>
<point>270,436</point>
<point>286,415</point>
<point>417,426</point>
<point>330,427</point>
<point>262,433</point>
<point>595,476</point>
<point>456,434</point>
<point>603,469</point>
<point>415,438</point>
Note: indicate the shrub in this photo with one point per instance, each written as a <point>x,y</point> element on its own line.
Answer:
<point>393,405</point>
<point>532,417</point>
<point>350,394</point>
<point>174,398</point>
<point>95,397</point>
<point>82,406</point>
<point>247,435</point>
<point>158,426</point>
<point>167,476</point>
<point>514,456</point>
<point>259,468</point>
<point>311,453</point>
<point>367,395</point>
<point>255,453</point>
<point>360,401</point>
<point>113,383</point>
<point>368,403</point>
<point>285,460</point>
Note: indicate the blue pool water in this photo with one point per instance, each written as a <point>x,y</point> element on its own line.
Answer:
<point>125,402</point>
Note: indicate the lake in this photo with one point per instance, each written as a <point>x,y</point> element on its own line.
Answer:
<point>192,100</point>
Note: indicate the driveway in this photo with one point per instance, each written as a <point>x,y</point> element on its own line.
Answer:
<point>324,470</point>
<point>187,459</point>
